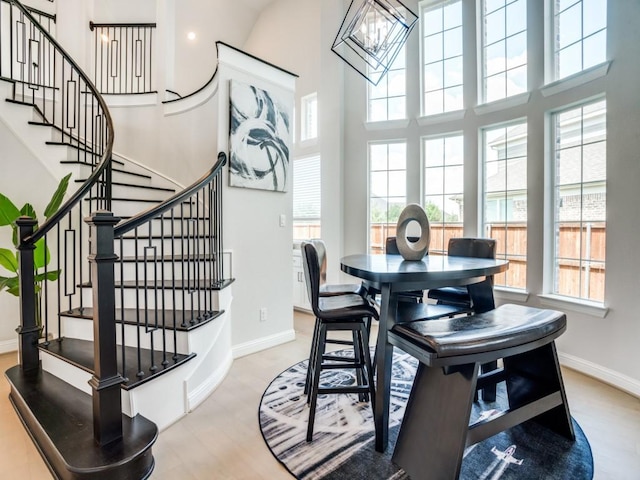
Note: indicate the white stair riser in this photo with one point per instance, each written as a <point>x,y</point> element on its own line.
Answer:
<point>82,329</point>
<point>163,247</point>
<point>167,270</point>
<point>176,227</point>
<point>131,191</point>
<point>183,299</point>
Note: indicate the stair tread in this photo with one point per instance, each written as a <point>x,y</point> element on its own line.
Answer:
<point>173,258</point>
<point>168,284</point>
<point>180,320</point>
<point>78,162</point>
<point>133,185</point>
<point>80,353</point>
<point>64,415</point>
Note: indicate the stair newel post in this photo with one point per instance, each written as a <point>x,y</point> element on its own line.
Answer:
<point>106,381</point>
<point>28,330</point>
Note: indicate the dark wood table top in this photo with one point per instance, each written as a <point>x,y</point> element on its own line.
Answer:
<point>432,271</point>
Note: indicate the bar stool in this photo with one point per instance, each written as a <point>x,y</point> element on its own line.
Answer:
<point>347,312</point>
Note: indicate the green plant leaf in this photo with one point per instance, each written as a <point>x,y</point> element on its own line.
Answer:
<point>51,276</point>
<point>57,198</point>
<point>41,255</point>
<point>8,260</point>
<point>12,284</point>
<point>8,211</point>
<point>28,211</point>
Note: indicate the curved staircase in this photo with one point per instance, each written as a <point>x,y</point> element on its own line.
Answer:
<point>137,335</point>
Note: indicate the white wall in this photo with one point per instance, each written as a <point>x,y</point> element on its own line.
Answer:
<point>290,33</point>
<point>21,171</point>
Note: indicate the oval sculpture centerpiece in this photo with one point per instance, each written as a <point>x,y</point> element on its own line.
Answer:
<point>413,250</point>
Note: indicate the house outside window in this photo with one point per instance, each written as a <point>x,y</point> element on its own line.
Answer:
<point>388,100</point>
<point>309,118</point>
<point>579,201</point>
<point>306,198</point>
<point>443,189</point>
<point>505,199</point>
<point>579,35</point>
<point>441,53</point>
<point>387,191</point>
<point>504,48</point>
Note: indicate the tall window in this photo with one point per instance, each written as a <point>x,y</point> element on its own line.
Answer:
<point>387,100</point>
<point>579,35</point>
<point>441,25</point>
<point>443,189</point>
<point>309,118</point>
<point>504,48</point>
<point>580,201</point>
<point>306,198</point>
<point>505,199</point>
<point>387,191</point>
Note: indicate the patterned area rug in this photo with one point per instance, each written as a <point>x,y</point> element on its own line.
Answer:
<point>343,446</point>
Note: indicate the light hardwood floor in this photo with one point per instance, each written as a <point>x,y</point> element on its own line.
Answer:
<point>221,438</point>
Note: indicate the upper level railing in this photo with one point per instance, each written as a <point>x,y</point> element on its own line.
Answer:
<point>123,57</point>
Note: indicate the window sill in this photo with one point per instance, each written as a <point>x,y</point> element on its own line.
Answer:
<point>308,142</point>
<point>511,294</point>
<point>576,79</point>
<point>594,309</point>
<point>441,118</point>
<point>503,103</point>
<point>386,124</point>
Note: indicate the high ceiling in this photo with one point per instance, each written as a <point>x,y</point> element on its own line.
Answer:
<point>257,5</point>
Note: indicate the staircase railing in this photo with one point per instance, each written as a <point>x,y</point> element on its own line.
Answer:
<point>175,252</point>
<point>123,57</point>
<point>52,256</point>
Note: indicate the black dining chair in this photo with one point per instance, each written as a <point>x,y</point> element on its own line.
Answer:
<point>463,247</point>
<point>327,289</point>
<point>428,311</point>
<point>346,312</point>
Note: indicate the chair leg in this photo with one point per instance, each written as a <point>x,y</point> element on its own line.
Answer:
<point>312,358</point>
<point>313,395</point>
<point>368,366</point>
<point>357,356</point>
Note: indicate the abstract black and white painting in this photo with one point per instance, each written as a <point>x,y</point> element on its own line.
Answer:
<point>260,138</point>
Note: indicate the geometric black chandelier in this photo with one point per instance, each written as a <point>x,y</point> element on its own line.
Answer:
<point>372,34</point>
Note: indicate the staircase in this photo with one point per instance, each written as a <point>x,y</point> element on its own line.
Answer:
<point>130,339</point>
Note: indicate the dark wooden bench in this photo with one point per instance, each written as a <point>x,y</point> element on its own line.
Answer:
<point>435,429</point>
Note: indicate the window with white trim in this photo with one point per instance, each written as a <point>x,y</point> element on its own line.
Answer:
<point>579,35</point>
<point>309,118</point>
<point>579,201</point>
<point>306,198</point>
<point>441,48</point>
<point>504,48</point>
<point>505,198</point>
<point>388,99</point>
<point>387,190</point>
<point>443,189</point>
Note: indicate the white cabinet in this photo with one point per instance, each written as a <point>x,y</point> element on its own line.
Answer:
<point>300,297</point>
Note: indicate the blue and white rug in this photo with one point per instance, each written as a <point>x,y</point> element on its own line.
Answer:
<point>343,446</point>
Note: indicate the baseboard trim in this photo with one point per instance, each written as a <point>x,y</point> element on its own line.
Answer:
<point>263,343</point>
<point>605,375</point>
<point>201,393</point>
<point>7,346</point>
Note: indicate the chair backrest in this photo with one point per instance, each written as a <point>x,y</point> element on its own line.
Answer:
<point>391,247</point>
<point>311,267</point>
<point>472,247</point>
<point>321,250</point>
<point>480,248</point>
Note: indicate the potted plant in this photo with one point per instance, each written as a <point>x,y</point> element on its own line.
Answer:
<point>9,213</point>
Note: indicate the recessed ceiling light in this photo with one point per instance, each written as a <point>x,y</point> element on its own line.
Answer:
<point>191,35</point>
